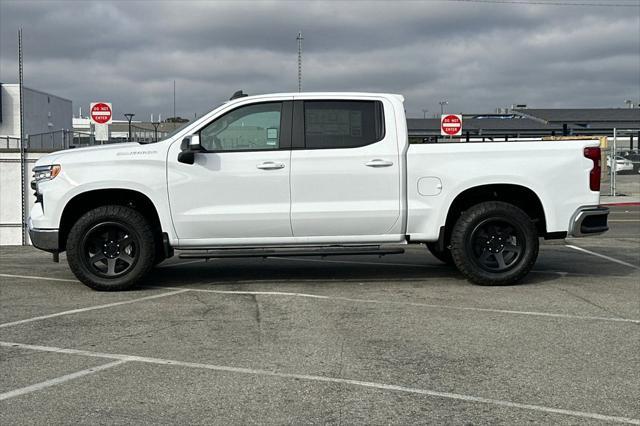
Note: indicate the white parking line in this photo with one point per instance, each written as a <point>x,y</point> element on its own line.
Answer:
<point>325,379</point>
<point>92,308</point>
<point>421,305</point>
<point>31,277</point>
<point>58,380</point>
<point>621,262</point>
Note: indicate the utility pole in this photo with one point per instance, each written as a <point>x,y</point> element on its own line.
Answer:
<point>174,99</point>
<point>23,155</point>
<point>424,113</point>
<point>299,38</point>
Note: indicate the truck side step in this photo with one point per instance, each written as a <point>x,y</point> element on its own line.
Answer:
<point>298,251</point>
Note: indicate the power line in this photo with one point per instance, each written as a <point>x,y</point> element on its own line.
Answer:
<point>545,3</point>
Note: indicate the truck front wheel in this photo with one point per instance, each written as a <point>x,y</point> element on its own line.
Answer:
<point>494,243</point>
<point>110,248</point>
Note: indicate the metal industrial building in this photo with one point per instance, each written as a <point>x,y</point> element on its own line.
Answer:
<point>44,113</point>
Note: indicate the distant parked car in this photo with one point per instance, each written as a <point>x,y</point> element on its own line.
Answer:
<point>622,164</point>
<point>634,157</point>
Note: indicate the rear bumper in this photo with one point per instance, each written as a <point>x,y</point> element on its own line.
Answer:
<point>45,239</point>
<point>589,221</point>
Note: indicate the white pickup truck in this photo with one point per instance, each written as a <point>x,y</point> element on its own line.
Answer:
<point>311,174</point>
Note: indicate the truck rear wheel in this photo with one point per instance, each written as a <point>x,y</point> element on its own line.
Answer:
<point>443,255</point>
<point>494,243</point>
<point>110,248</point>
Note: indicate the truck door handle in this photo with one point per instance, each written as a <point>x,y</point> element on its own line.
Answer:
<point>379,162</point>
<point>270,165</point>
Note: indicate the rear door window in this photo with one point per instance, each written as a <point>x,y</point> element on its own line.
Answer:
<point>342,124</point>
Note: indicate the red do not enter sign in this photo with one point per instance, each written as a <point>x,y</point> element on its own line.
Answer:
<point>451,125</point>
<point>101,112</point>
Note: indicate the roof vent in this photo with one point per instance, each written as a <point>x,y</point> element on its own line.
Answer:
<point>237,95</point>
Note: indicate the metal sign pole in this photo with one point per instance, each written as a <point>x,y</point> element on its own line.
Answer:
<point>23,156</point>
<point>613,162</point>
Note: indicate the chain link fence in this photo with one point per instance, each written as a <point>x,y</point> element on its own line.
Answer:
<point>622,165</point>
<point>56,140</point>
<point>65,139</point>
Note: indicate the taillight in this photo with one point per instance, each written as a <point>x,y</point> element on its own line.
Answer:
<point>593,153</point>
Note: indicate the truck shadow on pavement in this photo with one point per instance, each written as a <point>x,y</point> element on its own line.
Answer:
<point>255,271</point>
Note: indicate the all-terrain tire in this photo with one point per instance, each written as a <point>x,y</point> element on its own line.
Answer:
<point>442,255</point>
<point>129,227</point>
<point>490,231</point>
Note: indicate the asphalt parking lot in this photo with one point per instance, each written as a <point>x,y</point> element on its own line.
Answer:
<point>402,339</point>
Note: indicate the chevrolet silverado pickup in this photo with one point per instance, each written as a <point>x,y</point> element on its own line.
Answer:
<point>311,174</point>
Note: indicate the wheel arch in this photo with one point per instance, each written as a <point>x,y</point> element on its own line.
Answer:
<point>88,200</point>
<point>517,195</point>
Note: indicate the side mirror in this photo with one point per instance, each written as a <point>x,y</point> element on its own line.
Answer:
<point>189,146</point>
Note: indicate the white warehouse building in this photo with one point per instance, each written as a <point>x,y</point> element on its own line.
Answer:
<point>46,116</point>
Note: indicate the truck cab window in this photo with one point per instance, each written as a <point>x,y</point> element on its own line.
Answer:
<point>250,128</point>
<point>342,124</point>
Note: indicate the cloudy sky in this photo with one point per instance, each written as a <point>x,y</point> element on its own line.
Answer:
<point>477,54</point>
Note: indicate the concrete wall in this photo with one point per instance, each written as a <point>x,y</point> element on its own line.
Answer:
<point>10,199</point>
<point>43,112</point>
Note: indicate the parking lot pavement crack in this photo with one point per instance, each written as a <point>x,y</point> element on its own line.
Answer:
<point>590,302</point>
<point>208,308</point>
<point>258,316</point>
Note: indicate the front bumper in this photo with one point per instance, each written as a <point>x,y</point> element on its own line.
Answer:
<point>45,239</point>
<point>589,221</point>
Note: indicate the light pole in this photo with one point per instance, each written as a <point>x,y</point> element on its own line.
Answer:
<point>442,104</point>
<point>424,113</point>
<point>129,117</point>
<point>155,128</point>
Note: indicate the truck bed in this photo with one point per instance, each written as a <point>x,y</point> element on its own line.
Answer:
<point>556,171</point>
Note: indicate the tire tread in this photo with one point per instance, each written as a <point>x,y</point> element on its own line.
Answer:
<point>466,266</point>
<point>111,212</point>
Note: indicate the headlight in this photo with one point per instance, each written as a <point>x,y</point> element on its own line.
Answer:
<point>43,173</point>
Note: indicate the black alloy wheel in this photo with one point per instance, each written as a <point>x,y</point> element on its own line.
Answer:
<point>497,244</point>
<point>110,249</point>
<point>494,243</point>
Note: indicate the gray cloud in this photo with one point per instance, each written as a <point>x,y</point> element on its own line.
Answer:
<point>478,56</point>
